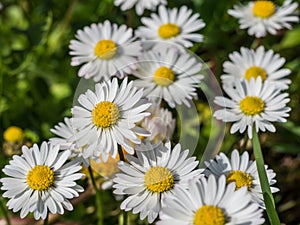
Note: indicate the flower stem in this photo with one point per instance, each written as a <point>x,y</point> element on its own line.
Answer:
<point>125,218</point>
<point>121,154</point>
<point>98,198</point>
<point>4,211</point>
<point>122,158</point>
<point>46,219</point>
<point>266,190</point>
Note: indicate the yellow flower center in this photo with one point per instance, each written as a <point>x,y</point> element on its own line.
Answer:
<point>240,178</point>
<point>13,134</point>
<point>209,215</point>
<point>163,76</point>
<point>252,105</point>
<point>105,49</point>
<point>263,9</point>
<point>255,72</point>
<point>40,178</point>
<point>105,114</point>
<point>168,30</point>
<point>159,179</point>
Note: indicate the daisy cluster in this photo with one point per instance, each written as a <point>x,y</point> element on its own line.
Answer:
<point>126,119</point>
<point>254,79</point>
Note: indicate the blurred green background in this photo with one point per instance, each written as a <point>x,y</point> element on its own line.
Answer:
<point>37,83</point>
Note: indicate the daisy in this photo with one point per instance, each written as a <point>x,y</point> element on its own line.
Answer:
<point>140,5</point>
<point>241,171</point>
<point>172,26</point>
<point>66,139</point>
<point>210,202</point>
<point>107,117</point>
<point>13,134</point>
<point>41,180</point>
<point>65,134</point>
<point>160,124</point>
<point>252,104</point>
<point>104,50</point>
<point>253,63</point>
<point>153,175</point>
<point>262,17</point>
<point>170,75</point>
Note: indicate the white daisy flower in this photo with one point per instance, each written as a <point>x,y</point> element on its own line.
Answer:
<point>105,50</point>
<point>153,175</point>
<point>241,171</point>
<point>108,116</point>
<point>66,139</point>
<point>253,63</point>
<point>160,124</point>
<point>263,16</point>
<point>140,5</point>
<point>170,75</point>
<point>210,202</point>
<point>173,26</point>
<point>65,134</point>
<point>41,180</point>
<point>252,104</point>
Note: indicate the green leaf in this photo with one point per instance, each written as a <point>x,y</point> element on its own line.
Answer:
<point>291,39</point>
<point>287,148</point>
<point>272,214</point>
<point>291,127</point>
<point>266,190</point>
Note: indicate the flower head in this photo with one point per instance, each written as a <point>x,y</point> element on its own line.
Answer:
<point>256,63</point>
<point>107,117</point>
<point>170,75</point>
<point>252,104</point>
<point>210,202</point>
<point>140,5</point>
<point>152,176</point>
<point>263,16</point>
<point>41,180</point>
<point>105,50</point>
<point>13,134</point>
<point>241,171</point>
<point>175,26</point>
<point>65,134</point>
<point>66,139</point>
<point>160,124</point>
